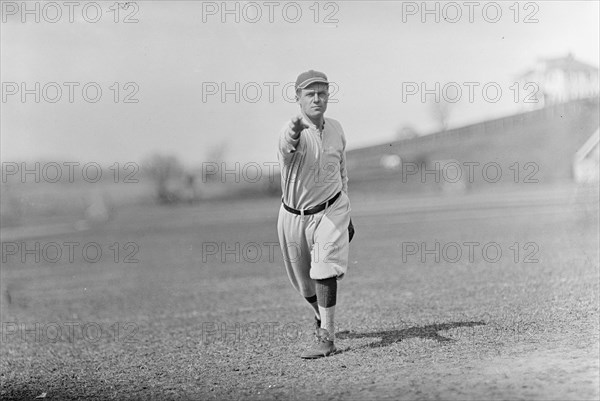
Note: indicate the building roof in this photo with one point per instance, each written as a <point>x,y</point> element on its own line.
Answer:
<point>567,63</point>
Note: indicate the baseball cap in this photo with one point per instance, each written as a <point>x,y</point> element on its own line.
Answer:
<point>310,77</point>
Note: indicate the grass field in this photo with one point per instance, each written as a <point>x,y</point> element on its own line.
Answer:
<point>186,320</point>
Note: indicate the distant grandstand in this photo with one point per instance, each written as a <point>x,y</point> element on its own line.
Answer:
<point>540,146</point>
<point>557,142</point>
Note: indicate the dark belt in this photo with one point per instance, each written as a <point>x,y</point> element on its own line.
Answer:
<point>312,210</point>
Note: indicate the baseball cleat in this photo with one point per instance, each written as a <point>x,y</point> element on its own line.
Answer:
<point>324,346</point>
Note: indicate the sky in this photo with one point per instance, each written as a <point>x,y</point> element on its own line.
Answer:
<point>190,79</point>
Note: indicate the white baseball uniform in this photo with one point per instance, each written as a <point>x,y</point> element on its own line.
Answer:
<point>313,170</point>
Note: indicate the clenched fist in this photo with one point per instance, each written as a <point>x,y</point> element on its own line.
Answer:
<point>297,125</point>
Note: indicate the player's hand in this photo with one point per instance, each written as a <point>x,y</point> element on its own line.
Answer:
<point>297,125</point>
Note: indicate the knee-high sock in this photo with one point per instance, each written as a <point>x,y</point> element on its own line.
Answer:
<point>326,298</point>
<point>313,302</point>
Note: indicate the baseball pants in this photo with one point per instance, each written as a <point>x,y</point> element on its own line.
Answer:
<point>315,247</point>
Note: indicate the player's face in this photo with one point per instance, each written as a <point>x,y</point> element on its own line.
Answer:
<point>313,99</point>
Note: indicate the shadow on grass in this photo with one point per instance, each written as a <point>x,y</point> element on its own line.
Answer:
<point>389,337</point>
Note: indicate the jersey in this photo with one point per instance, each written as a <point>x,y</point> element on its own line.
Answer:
<point>313,167</point>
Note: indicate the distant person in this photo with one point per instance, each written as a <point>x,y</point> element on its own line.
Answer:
<point>314,225</point>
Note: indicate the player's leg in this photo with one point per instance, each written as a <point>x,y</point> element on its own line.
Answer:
<point>327,298</point>
<point>329,263</point>
<point>296,256</point>
<point>331,241</point>
<point>331,266</point>
<point>314,304</point>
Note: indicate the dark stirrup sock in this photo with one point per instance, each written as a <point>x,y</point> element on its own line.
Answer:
<point>311,300</point>
<point>326,292</point>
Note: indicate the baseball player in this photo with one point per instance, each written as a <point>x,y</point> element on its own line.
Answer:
<point>314,225</point>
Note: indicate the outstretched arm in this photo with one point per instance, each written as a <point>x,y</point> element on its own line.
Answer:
<point>290,136</point>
